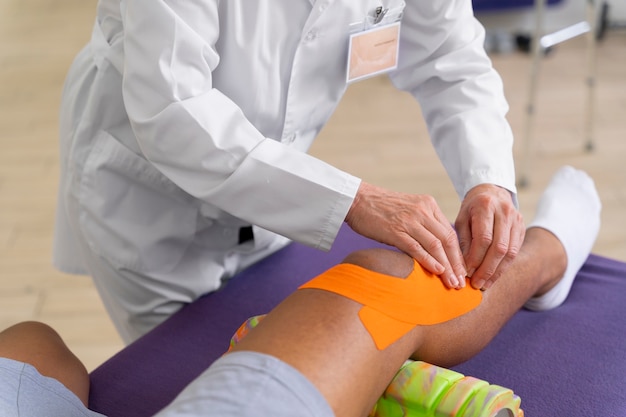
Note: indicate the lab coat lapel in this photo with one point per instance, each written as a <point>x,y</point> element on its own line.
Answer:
<point>319,7</point>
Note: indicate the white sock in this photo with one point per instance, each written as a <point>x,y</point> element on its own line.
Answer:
<point>570,209</point>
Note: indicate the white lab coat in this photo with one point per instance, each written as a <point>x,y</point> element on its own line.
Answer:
<point>183,120</point>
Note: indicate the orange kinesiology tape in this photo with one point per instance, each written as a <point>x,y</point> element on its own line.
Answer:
<point>393,306</point>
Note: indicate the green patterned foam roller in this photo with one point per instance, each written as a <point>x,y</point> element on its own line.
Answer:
<point>420,389</point>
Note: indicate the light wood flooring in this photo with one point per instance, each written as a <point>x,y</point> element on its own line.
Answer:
<point>376,133</point>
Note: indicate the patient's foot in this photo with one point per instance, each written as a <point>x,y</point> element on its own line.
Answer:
<point>569,208</point>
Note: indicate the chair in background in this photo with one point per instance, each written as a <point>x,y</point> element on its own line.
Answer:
<point>541,42</point>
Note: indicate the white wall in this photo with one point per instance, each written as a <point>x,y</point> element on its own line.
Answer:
<point>617,11</point>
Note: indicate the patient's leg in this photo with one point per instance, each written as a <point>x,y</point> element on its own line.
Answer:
<point>557,244</point>
<point>41,346</point>
<point>319,332</point>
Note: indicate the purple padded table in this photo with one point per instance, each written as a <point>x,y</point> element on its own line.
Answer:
<point>568,362</point>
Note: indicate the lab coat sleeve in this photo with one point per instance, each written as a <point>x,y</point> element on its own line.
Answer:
<point>202,141</point>
<point>443,64</point>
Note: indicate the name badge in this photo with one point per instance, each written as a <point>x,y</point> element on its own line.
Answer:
<point>374,47</point>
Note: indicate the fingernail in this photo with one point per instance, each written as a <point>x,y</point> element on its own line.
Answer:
<point>471,272</point>
<point>453,282</point>
<point>462,281</point>
<point>488,285</point>
<point>479,284</point>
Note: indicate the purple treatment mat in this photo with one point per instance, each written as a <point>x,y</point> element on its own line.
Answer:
<point>570,361</point>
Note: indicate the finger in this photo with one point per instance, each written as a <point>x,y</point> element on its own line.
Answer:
<point>498,250</point>
<point>518,231</point>
<point>481,238</point>
<point>464,238</point>
<point>450,240</point>
<point>413,248</point>
<point>464,234</point>
<point>443,246</point>
<point>447,234</point>
<point>430,259</point>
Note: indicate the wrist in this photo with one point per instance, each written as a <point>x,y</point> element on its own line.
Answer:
<point>360,196</point>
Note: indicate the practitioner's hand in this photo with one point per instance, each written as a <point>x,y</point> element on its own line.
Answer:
<point>412,223</point>
<point>491,231</point>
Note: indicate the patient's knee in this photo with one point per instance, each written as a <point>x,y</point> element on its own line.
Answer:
<point>42,347</point>
<point>25,334</point>
<point>384,261</point>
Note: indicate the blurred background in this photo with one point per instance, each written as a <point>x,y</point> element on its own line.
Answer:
<point>376,133</point>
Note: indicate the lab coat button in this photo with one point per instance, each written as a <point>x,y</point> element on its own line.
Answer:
<point>311,35</point>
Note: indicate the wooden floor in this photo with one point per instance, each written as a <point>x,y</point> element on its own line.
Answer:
<point>376,133</point>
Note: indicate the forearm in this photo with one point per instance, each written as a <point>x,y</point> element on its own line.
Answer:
<point>445,67</point>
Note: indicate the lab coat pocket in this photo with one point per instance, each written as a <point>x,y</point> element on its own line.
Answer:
<point>130,213</point>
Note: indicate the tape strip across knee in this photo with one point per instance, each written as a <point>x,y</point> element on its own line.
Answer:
<point>393,306</point>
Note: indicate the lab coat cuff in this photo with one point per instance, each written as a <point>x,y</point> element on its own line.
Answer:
<point>508,185</point>
<point>337,215</point>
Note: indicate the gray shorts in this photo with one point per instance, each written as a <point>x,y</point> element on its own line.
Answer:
<point>25,392</point>
<point>249,384</point>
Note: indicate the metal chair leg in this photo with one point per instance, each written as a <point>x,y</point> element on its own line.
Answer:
<point>540,44</point>
<point>591,76</point>
<point>537,51</point>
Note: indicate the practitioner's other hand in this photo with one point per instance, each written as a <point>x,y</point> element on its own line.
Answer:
<point>491,231</point>
<point>412,223</point>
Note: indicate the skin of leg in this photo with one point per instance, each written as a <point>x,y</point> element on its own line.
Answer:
<point>538,267</point>
<point>41,346</point>
<point>319,332</point>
